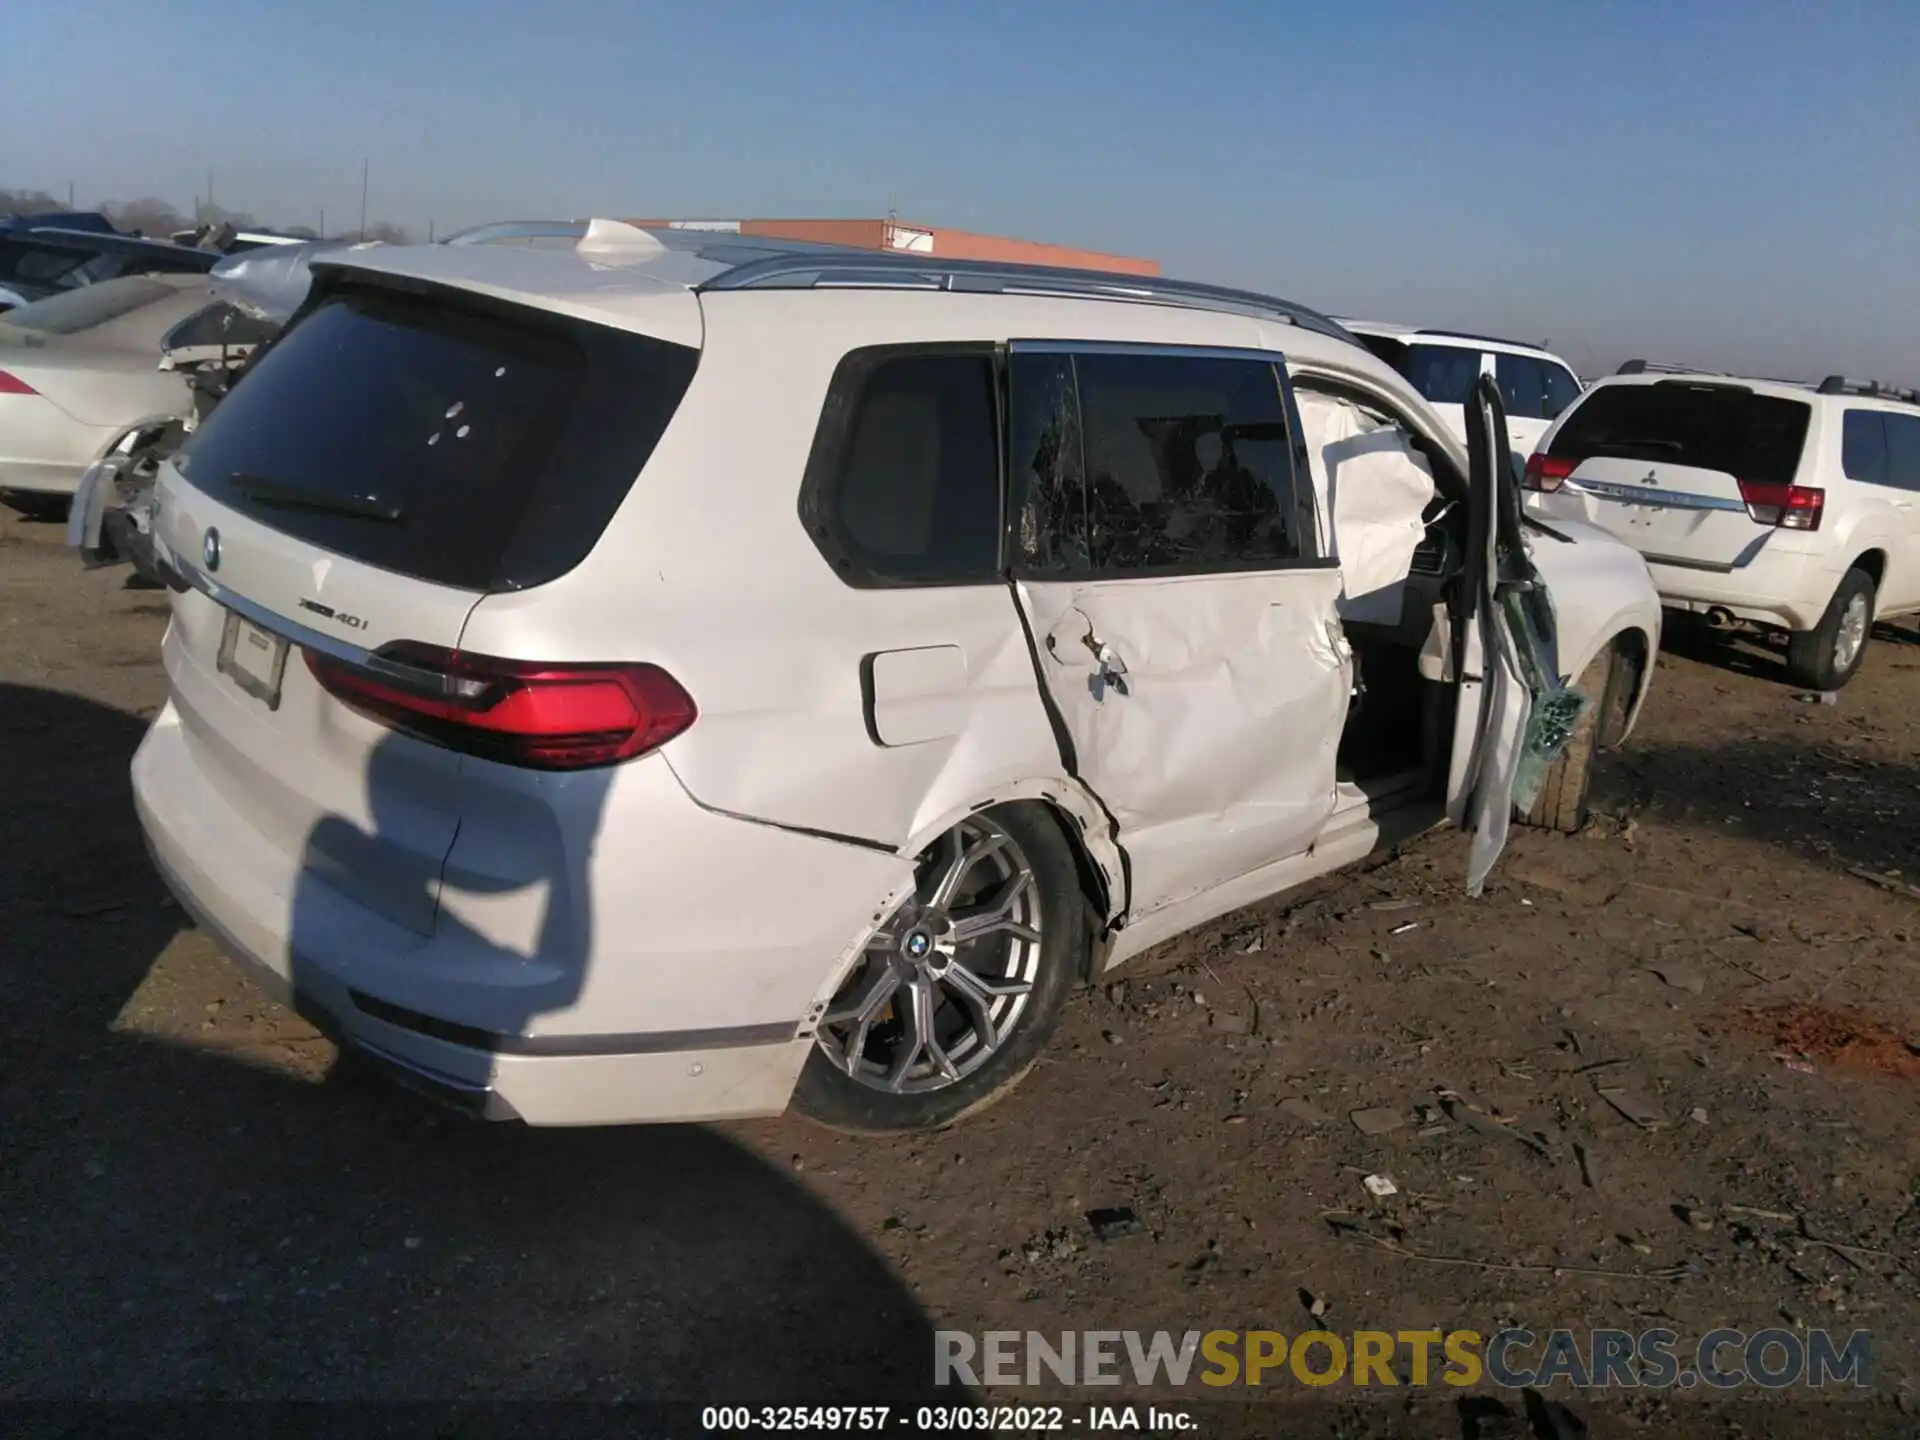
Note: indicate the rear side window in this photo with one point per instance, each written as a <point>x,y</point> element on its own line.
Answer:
<point>1189,463</point>
<point>1903,451</point>
<point>1444,374</point>
<point>1047,497</point>
<point>439,436</point>
<point>1751,437</point>
<point>1533,389</point>
<point>903,487</point>
<point>1136,463</point>
<point>1562,388</point>
<point>1863,446</point>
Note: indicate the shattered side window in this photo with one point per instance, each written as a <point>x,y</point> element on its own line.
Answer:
<point>1189,463</point>
<point>1046,502</point>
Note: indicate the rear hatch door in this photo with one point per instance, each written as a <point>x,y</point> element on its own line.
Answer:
<point>396,455</point>
<point>1671,468</point>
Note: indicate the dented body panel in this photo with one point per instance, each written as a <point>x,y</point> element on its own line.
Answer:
<point>659,938</point>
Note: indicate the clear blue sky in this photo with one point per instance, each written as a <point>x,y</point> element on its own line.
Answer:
<point>1727,184</point>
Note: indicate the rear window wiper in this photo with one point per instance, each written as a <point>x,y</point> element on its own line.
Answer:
<point>294,497</point>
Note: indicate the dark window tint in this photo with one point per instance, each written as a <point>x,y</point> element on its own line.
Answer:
<point>472,445</point>
<point>1443,373</point>
<point>45,267</point>
<point>1903,451</point>
<point>1863,446</point>
<point>1523,389</point>
<point>1714,427</point>
<point>1562,389</point>
<point>1188,461</point>
<point>1047,503</point>
<point>904,486</point>
<point>1394,352</point>
<point>1533,389</point>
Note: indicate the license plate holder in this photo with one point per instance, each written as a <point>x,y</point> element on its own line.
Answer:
<point>254,658</point>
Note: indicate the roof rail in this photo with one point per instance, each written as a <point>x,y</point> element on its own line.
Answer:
<point>822,269</point>
<point>1840,385</point>
<point>1660,367</point>
<point>1485,339</point>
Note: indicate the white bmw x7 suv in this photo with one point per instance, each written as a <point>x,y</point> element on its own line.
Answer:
<point>673,677</point>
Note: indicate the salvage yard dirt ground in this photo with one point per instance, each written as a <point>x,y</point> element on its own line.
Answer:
<point>1664,1073</point>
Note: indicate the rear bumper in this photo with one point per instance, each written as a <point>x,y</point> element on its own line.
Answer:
<point>412,1006</point>
<point>36,477</point>
<point>1774,580</point>
<point>44,450</point>
<point>1776,588</point>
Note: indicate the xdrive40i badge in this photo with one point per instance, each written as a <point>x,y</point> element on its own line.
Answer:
<point>352,622</point>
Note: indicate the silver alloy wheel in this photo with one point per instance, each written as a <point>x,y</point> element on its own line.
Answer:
<point>1853,632</point>
<point>947,976</point>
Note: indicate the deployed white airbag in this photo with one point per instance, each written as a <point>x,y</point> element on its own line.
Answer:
<point>1377,487</point>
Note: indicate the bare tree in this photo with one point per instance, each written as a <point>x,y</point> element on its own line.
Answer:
<point>27,202</point>
<point>145,216</point>
<point>390,233</point>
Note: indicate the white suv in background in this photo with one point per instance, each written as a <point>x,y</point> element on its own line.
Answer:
<point>689,675</point>
<point>1443,365</point>
<point>1787,506</point>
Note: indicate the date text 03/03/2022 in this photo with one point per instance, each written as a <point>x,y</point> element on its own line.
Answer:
<point>936,1419</point>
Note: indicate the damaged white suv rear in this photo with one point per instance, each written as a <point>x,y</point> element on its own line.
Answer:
<point>678,677</point>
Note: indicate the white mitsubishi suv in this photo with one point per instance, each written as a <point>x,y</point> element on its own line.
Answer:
<point>1755,502</point>
<point>671,676</point>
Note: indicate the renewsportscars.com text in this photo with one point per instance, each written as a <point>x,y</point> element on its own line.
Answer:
<point>1516,1359</point>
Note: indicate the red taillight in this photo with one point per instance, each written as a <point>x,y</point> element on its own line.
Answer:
<point>14,385</point>
<point>1546,472</point>
<point>1791,507</point>
<point>519,712</point>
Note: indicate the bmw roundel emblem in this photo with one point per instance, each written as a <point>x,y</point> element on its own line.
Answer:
<point>210,549</point>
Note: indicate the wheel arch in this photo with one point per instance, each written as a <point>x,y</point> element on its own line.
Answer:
<point>158,421</point>
<point>1083,822</point>
<point>1100,868</point>
<point>1634,648</point>
<point>1873,560</point>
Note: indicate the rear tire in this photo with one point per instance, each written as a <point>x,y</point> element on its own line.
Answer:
<point>1829,655</point>
<point>1018,971</point>
<point>1561,802</point>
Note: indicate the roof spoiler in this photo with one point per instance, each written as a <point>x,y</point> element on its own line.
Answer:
<point>1841,385</point>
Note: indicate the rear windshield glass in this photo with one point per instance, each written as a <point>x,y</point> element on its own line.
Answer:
<point>29,264</point>
<point>470,445</point>
<point>1750,437</point>
<point>90,306</point>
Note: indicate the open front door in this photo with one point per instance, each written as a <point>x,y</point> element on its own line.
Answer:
<point>1181,604</point>
<point>1512,705</point>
